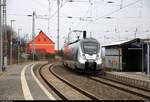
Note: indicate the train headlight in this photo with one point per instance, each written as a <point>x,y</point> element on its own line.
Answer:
<point>83,55</point>
<point>97,55</point>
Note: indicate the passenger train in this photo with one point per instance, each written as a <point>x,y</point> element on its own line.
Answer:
<point>83,55</point>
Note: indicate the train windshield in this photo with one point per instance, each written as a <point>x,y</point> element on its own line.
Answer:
<point>90,47</point>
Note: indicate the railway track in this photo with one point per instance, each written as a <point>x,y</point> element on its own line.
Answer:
<point>76,93</point>
<point>96,88</point>
<point>130,89</point>
<point>49,84</point>
<point>121,86</point>
<point>60,80</point>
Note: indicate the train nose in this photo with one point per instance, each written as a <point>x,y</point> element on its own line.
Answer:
<point>90,56</point>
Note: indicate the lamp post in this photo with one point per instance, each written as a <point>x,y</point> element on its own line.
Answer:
<point>33,33</point>
<point>69,28</point>
<point>19,44</point>
<point>11,41</point>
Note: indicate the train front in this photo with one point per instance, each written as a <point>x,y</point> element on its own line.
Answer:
<point>89,55</point>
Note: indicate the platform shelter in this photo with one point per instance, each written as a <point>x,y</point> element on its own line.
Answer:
<point>130,55</point>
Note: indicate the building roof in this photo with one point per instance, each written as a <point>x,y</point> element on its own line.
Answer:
<point>41,32</point>
<point>119,43</point>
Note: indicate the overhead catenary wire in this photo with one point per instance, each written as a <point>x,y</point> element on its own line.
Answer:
<point>38,2</point>
<point>88,12</point>
<point>53,15</point>
<point>115,11</point>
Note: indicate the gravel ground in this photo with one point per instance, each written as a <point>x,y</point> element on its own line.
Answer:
<point>98,89</point>
<point>64,89</point>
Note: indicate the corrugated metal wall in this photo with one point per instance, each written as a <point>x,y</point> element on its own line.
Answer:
<point>113,58</point>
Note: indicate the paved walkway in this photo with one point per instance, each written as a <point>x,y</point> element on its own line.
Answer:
<point>10,84</point>
<point>17,82</point>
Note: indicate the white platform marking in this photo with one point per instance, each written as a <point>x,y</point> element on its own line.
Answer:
<point>25,88</point>
<point>41,86</point>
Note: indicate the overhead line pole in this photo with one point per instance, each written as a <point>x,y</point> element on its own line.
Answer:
<point>33,33</point>
<point>1,38</point>
<point>49,9</point>
<point>5,33</point>
<point>58,2</point>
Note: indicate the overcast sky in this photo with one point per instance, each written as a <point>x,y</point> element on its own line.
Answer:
<point>126,16</point>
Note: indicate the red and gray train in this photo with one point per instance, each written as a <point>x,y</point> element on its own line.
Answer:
<point>83,54</point>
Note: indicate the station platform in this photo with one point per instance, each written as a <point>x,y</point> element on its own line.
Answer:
<point>137,79</point>
<point>18,82</point>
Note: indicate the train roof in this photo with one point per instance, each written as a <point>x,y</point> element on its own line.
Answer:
<point>84,40</point>
<point>89,39</point>
<point>124,42</point>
